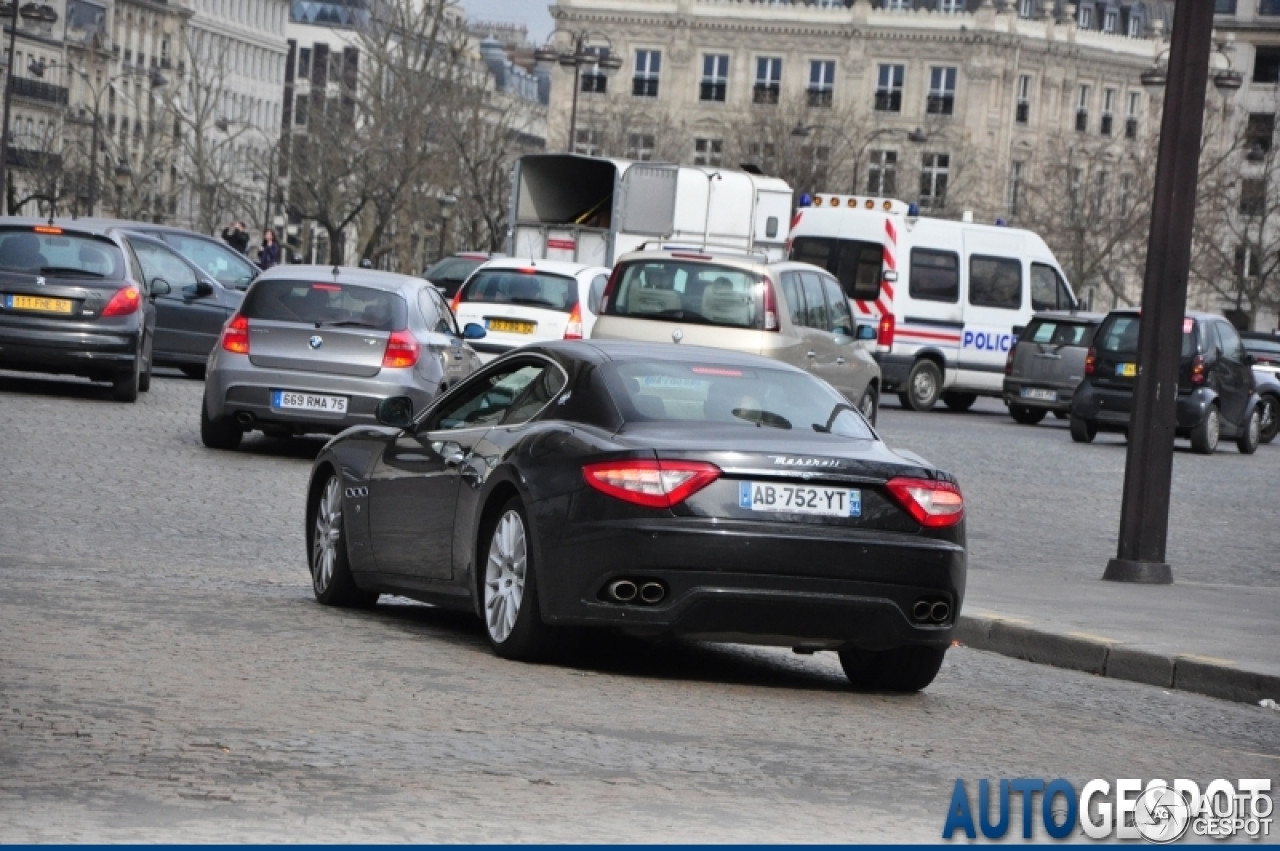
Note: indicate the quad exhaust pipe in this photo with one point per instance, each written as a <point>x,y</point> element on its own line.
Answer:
<point>648,592</point>
<point>623,590</point>
<point>244,418</point>
<point>931,611</point>
<point>652,592</point>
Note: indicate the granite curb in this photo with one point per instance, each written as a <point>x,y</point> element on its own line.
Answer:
<point>1107,658</point>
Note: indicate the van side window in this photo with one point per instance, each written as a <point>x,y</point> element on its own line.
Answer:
<point>1048,290</point>
<point>841,316</point>
<point>794,298</point>
<point>859,269</point>
<point>995,282</point>
<point>817,316</point>
<point>935,275</point>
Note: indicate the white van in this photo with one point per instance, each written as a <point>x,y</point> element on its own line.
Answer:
<point>948,298</point>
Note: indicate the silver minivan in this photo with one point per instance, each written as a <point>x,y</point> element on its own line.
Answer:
<point>792,312</point>
<point>1047,363</point>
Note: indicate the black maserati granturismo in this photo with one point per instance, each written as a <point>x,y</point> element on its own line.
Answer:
<point>657,488</point>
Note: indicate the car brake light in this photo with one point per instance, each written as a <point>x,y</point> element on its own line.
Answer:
<point>884,336</point>
<point>933,504</point>
<point>1197,369</point>
<point>1090,361</point>
<point>123,303</point>
<point>457,300</point>
<point>770,306</point>
<point>651,483</point>
<point>609,289</point>
<point>1008,362</point>
<point>235,337</point>
<point>402,350</point>
<point>573,328</point>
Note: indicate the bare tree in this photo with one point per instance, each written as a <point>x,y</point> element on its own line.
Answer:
<point>42,169</point>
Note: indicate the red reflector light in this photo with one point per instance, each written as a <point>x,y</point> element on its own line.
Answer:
<point>457,299</point>
<point>333,288</point>
<point>1197,369</point>
<point>716,370</point>
<point>123,303</point>
<point>527,270</point>
<point>47,229</point>
<point>573,328</point>
<point>402,350</point>
<point>884,335</point>
<point>770,307</point>
<point>1090,361</point>
<point>235,337</point>
<point>653,484</point>
<point>1008,362</point>
<point>933,504</point>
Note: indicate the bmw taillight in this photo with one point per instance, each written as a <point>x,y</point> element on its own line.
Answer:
<point>884,335</point>
<point>651,483</point>
<point>932,503</point>
<point>573,328</point>
<point>402,350</point>
<point>123,303</point>
<point>770,306</point>
<point>1091,361</point>
<point>235,337</point>
<point>1197,369</point>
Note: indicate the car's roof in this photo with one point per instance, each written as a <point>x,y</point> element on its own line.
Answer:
<point>1072,315</point>
<point>100,224</point>
<point>342,275</point>
<point>1198,315</point>
<point>1260,335</point>
<point>555,267</point>
<point>90,226</point>
<point>626,350</point>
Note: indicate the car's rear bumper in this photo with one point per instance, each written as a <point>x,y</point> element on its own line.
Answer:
<point>73,351</point>
<point>755,582</point>
<point>1109,407</point>
<point>1061,400</point>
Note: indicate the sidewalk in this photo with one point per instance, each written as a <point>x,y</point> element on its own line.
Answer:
<point>1218,640</point>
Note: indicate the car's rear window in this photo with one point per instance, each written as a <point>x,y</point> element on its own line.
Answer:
<point>525,288</point>
<point>684,291</point>
<point>1253,344</point>
<point>667,391</point>
<point>53,254</point>
<point>324,303</point>
<point>1119,335</point>
<point>453,269</point>
<point>1053,332</point>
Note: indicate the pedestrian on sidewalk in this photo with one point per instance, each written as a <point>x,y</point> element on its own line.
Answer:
<point>235,235</point>
<point>269,253</point>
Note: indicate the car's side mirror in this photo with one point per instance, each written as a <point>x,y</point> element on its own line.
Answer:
<point>866,333</point>
<point>474,331</point>
<point>203,288</point>
<point>395,411</point>
<point>159,286</point>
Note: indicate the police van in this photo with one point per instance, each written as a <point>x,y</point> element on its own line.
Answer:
<point>948,298</point>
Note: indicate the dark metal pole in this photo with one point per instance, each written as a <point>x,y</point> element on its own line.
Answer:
<point>8,110</point>
<point>573,115</point>
<point>1144,514</point>
<point>93,159</point>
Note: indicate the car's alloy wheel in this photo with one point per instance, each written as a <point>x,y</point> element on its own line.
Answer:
<point>1204,437</point>
<point>504,576</point>
<point>868,404</point>
<point>330,568</point>
<point>1268,419</point>
<point>1251,434</point>
<point>923,386</point>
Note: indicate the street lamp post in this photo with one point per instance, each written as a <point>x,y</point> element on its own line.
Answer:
<point>1144,512</point>
<point>802,131</point>
<point>583,54</point>
<point>446,202</point>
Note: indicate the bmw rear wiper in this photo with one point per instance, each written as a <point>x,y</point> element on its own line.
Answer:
<point>69,271</point>
<point>347,323</point>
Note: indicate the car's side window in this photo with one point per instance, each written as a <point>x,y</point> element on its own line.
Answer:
<point>995,282</point>
<point>1048,290</point>
<point>158,262</point>
<point>596,292</point>
<point>486,401</point>
<point>935,275</point>
<point>1231,345</point>
<point>794,298</point>
<point>535,397</point>
<point>449,321</point>
<point>841,315</point>
<point>431,315</point>
<point>816,301</point>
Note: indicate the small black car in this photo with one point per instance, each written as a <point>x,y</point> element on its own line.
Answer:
<point>656,488</point>
<point>74,301</point>
<point>1047,363</point>
<point>1215,385</point>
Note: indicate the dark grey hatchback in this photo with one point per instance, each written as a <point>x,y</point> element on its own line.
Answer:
<point>73,301</point>
<point>1047,363</point>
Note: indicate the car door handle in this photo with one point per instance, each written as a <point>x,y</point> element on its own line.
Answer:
<point>839,360</point>
<point>813,354</point>
<point>455,459</point>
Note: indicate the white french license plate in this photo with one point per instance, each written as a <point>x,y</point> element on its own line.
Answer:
<point>1041,395</point>
<point>308,402</point>
<point>800,499</point>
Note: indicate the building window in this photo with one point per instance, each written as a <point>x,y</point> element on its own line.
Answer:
<point>822,78</point>
<point>1266,64</point>
<point>1108,105</point>
<point>1026,8</point>
<point>1082,109</point>
<point>1111,21</point>
<point>768,80</point>
<point>1073,194</point>
<point>300,111</point>
<point>1260,131</point>
<point>1135,25</point>
<point>1086,17</point>
<point>897,5</point>
<point>1247,263</point>
<point>1100,193</point>
<point>648,66</point>
<point>950,7</point>
<point>1268,8</point>
<point>762,154</point>
<point>933,180</point>
<point>1124,197</point>
<point>889,88</point>
<point>882,173</point>
<point>715,78</point>
<point>942,91</point>
<point>587,142</point>
<point>1253,196</point>
<point>640,146</point>
<point>707,151</point>
<point>1023,113</point>
<point>1015,187</point>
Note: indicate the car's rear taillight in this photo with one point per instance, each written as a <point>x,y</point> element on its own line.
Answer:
<point>933,504</point>
<point>651,483</point>
<point>123,303</point>
<point>1197,370</point>
<point>235,337</point>
<point>884,335</point>
<point>610,290</point>
<point>457,299</point>
<point>1008,362</point>
<point>1090,361</point>
<point>402,350</point>
<point>770,306</point>
<point>573,328</point>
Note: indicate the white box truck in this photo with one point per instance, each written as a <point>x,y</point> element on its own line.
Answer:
<point>592,209</point>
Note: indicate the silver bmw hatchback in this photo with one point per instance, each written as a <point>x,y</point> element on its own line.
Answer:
<point>313,349</point>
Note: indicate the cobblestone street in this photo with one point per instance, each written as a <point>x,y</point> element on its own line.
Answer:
<point>165,674</point>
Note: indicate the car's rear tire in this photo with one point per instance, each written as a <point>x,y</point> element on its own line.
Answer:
<point>959,402</point>
<point>125,388</point>
<point>924,384</point>
<point>1082,430</point>
<point>1026,416</point>
<point>1204,437</point>
<point>1251,434</point>
<point>330,567</point>
<point>193,371</point>
<point>144,380</point>
<point>1269,418</point>
<point>900,669</point>
<point>869,404</point>
<point>508,587</point>
<point>221,433</point>
<point>1061,415</point>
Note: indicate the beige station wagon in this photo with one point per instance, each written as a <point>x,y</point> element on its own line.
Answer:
<point>792,312</point>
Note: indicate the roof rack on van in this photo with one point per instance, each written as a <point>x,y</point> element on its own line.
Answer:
<point>861,202</point>
<point>703,247</point>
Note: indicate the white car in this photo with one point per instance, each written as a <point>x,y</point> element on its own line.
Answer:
<point>522,301</point>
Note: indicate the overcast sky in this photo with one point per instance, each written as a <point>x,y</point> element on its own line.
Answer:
<point>531,13</point>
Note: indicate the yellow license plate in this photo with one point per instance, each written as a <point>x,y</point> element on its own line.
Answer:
<point>511,326</point>
<point>46,305</point>
<point>1127,370</point>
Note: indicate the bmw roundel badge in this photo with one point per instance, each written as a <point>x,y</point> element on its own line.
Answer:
<point>316,341</point>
